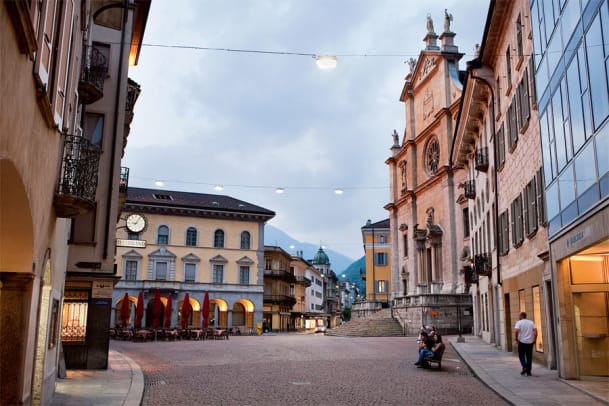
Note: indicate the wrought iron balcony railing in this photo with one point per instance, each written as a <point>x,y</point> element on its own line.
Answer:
<point>470,189</point>
<point>303,280</point>
<point>280,299</point>
<point>482,264</point>
<point>77,182</point>
<point>281,274</point>
<point>481,159</point>
<point>92,75</point>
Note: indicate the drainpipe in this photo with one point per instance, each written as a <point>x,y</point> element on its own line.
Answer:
<point>125,6</point>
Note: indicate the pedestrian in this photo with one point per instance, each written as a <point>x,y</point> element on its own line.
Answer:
<point>425,347</point>
<point>525,334</point>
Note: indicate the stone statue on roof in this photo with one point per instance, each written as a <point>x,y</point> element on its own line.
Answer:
<point>447,19</point>
<point>412,62</point>
<point>396,141</point>
<point>429,24</point>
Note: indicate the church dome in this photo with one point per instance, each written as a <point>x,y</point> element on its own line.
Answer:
<point>321,258</point>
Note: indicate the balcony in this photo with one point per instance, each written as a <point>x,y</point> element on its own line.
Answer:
<point>482,264</point>
<point>92,75</point>
<point>77,183</point>
<point>303,281</point>
<point>280,300</point>
<point>469,189</point>
<point>481,159</point>
<point>280,274</point>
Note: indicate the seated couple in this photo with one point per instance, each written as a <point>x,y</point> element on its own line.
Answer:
<point>429,347</point>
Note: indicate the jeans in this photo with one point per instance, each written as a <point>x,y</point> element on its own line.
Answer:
<point>424,353</point>
<point>525,355</point>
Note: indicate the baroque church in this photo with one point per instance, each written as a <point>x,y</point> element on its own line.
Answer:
<point>427,208</point>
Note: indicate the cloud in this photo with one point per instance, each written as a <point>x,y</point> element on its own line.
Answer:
<point>251,119</point>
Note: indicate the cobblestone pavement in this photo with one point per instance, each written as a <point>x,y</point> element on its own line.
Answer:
<point>301,369</point>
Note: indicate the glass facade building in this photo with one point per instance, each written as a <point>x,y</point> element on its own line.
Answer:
<point>571,62</point>
<point>571,39</point>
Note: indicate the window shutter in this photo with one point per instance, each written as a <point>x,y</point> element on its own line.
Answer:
<point>541,204</point>
<point>525,103</point>
<point>386,286</point>
<point>46,36</point>
<point>64,49</point>
<point>513,222</point>
<point>525,209</point>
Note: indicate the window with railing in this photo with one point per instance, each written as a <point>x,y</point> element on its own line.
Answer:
<point>481,159</point>
<point>469,189</point>
<point>74,317</point>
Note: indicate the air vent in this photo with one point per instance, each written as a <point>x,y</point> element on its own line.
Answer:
<point>162,197</point>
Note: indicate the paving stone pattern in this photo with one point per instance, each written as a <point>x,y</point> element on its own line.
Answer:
<point>301,369</point>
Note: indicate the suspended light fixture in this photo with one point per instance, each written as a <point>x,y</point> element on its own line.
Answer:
<point>326,61</point>
<point>218,188</point>
<point>339,191</point>
<point>279,190</point>
<point>159,182</point>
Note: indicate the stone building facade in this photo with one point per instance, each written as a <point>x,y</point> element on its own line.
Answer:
<point>498,143</point>
<point>52,170</point>
<point>425,208</point>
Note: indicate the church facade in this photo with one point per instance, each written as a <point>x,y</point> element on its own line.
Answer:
<point>428,209</point>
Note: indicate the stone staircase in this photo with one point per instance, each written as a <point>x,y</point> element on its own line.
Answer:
<point>379,324</point>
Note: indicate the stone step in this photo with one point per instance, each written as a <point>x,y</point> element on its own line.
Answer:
<point>379,324</point>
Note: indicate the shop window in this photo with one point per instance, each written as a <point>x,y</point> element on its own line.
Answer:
<point>537,318</point>
<point>74,317</point>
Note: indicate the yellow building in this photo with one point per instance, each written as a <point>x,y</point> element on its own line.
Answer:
<point>191,243</point>
<point>377,249</point>
<point>62,65</point>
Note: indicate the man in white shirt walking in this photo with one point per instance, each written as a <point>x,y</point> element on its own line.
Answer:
<point>526,336</point>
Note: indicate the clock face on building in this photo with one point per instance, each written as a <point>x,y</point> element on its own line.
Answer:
<point>136,223</point>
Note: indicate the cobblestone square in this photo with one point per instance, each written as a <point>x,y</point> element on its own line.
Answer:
<point>301,369</point>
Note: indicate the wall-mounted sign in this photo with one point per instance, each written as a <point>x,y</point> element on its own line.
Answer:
<point>130,243</point>
<point>102,289</point>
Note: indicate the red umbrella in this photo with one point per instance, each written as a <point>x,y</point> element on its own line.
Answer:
<point>168,312</point>
<point>185,311</point>
<point>139,310</point>
<point>156,309</point>
<point>125,310</point>
<point>206,310</point>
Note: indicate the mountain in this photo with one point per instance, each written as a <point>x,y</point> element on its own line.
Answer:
<point>352,273</point>
<point>276,237</point>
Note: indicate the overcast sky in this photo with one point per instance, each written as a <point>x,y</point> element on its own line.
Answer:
<point>253,121</point>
